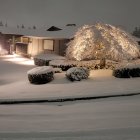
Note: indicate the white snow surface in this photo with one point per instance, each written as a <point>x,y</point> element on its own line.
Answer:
<point>130,65</point>
<point>66,62</point>
<point>104,119</point>
<point>49,56</point>
<point>40,70</point>
<point>14,83</point>
<point>66,32</point>
<point>57,70</point>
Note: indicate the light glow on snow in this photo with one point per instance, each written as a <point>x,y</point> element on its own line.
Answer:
<point>18,59</point>
<point>100,82</point>
<point>3,51</point>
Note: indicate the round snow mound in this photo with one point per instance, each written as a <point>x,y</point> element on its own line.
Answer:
<point>77,73</point>
<point>40,75</point>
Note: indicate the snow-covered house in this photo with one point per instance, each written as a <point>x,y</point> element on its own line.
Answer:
<point>32,45</point>
<point>30,42</point>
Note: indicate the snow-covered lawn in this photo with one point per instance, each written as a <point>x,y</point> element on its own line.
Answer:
<point>104,119</point>
<point>14,83</point>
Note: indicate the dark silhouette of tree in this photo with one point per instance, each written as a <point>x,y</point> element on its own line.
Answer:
<point>34,27</point>
<point>22,26</point>
<point>6,24</point>
<point>71,25</point>
<point>1,24</point>
<point>136,32</point>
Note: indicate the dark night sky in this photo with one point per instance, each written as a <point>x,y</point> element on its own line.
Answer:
<point>60,12</point>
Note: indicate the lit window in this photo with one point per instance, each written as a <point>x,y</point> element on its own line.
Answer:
<point>48,45</point>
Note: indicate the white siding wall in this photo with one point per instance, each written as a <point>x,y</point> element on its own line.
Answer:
<point>36,46</point>
<point>56,46</point>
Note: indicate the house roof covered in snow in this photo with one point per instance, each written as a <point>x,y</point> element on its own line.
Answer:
<point>66,32</point>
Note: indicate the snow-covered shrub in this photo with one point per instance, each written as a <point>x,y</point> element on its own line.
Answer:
<point>127,70</point>
<point>63,64</point>
<point>91,64</point>
<point>126,73</point>
<point>41,62</point>
<point>77,73</point>
<point>44,59</point>
<point>121,73</point>
<point>135,72</point>
<point>40,75</point>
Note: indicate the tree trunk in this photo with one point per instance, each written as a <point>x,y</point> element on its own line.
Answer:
<point>102,63</point>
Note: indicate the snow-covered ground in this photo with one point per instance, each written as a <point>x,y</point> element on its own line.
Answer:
<point>105,119</point>
<point>49,57</point>
<point>14,83</point>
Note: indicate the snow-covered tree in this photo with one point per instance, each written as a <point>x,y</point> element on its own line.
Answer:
<point>102,41</point>
<point>83,41</point>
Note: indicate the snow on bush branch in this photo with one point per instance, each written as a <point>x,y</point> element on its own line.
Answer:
<point>40,75</point>
<point>77,73</point>
<point>102,41</point>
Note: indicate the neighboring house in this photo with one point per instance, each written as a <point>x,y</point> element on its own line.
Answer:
<point>4,44</point>
<point>7,42</point>
<point>30,42</point>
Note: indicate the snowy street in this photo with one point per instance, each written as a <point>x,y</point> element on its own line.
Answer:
<point>105,119</point>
